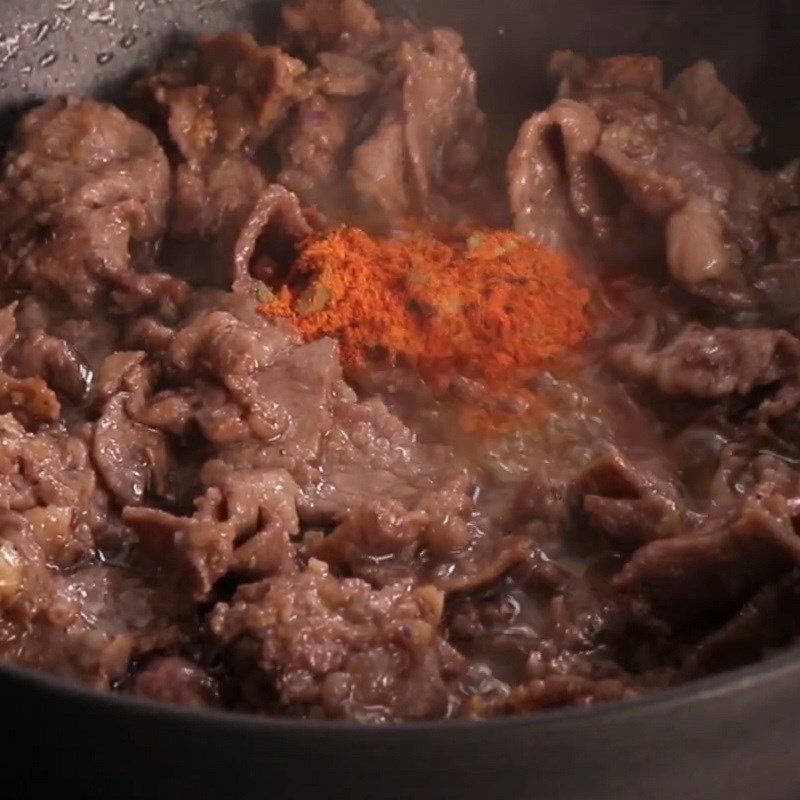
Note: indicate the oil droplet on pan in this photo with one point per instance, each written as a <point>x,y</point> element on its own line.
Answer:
<point>41,32</point>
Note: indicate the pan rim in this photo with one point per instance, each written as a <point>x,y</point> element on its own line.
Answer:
<point>697,692</point>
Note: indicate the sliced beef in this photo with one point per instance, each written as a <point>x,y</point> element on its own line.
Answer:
<point>482,562</point>
<point>257,385</point>
<point>322,25</point>
<point>174,680</point>
<point>313,146</point>
<point>710,363</point>
<point>123,371</point>
<point>49,477</point>
<point>402,509</point>
<point>31,362</point>
<point>133,459</point>
<point>619,163</point>
<point>409,132</point>
<point>443,125</point>
<point>84,625</point>
<point>768,621</point>
<point>776,281</point>
<point>705,101</point>
<point>629,504</point>
<point>82,187</point>
<point>378,169</point>
<point>700,576</point>
<point>557,142</point>
<point>30,400</point>
<point>220,104</point>
<point>328,117</point>
<point>265,402</point>
<point>226,205</point>
<point>575,73</point>
<point>228,95</point>
<point>430,140</point>
<point>366,439</point>
<point>775,422</point>
<point>244,525</point>
<point>339,647</point>
<point>55,361</point>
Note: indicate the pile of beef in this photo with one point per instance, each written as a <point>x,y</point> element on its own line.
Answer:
<point>197,507</point>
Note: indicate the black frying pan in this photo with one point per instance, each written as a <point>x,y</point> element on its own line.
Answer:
<point>734,737</point>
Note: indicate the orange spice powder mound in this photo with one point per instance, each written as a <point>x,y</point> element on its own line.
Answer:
<point>491,308</point>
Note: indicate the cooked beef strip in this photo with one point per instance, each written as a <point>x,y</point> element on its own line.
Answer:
<point>171,679</point>
<point>621,165</point>
<point>80,186</point>
<point>710,363</point>
<point>339,648</point>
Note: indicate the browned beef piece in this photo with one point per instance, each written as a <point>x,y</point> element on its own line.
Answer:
<point>443,125</point>
<point>575,73</point>
<point>385,543</point>
<point>785,228</point>
<point>331,112</point>
<point>373,531</point>
<point>710,363</point>
<point>430,141</point>
<point>702,575</point>
<point>393,499</point>
<point>30,400</point>
<point>339,647</point>
<point>123,371</point>
<point>629,504</point>
<point>740,470</point>
<point>85,625</point>
<point>322,25</point>
<point>81,186</point>
<point>133,459</point>
<point>312,148</point>
<point>775,423</point>
<point>618,163</point>
<point>768,621</point>
<point>259,383</point>
<point>267,404</point>
<point>365,439</point>
<point>148,334</point>
<point>54,360</point>
<point>228,97</point>
<point>777,282</point>
<point>229,94</point>
<point>378,171</point>
<point>243,525</point>
<point>553,144</point>
<point>174,680</point>
<point>227,204</point>
<point>48,477</point>
<point>34,361</point>
<point>705,101</point>
<point>410,132</point>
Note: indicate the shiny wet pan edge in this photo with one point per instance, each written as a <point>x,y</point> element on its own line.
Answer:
<point>778,667</point>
